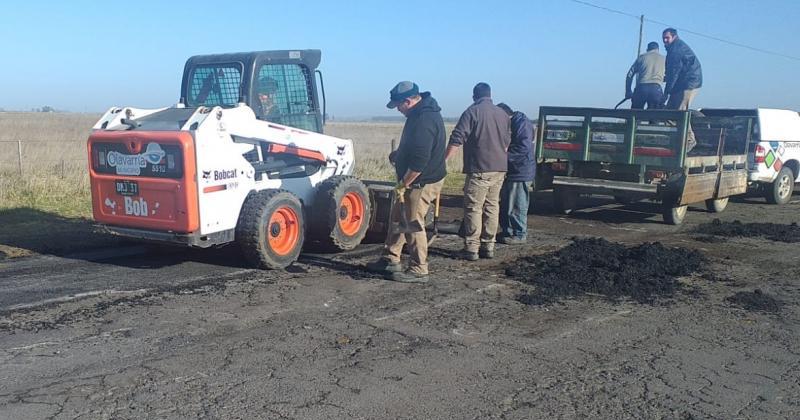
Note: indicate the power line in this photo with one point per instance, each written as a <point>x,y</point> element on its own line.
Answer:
<point>718,39</point>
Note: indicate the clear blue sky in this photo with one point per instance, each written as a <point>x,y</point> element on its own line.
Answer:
<point>88,56</point>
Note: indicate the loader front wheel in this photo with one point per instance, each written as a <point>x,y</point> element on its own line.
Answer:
<point>271,229</point>
<point>341,213</point>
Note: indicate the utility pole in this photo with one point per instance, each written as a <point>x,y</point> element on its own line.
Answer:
<point>641,30</point>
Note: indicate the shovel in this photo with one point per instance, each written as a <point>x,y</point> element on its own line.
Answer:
<point>620,103</point>
<point>435,232</point>
<point>405,226</point>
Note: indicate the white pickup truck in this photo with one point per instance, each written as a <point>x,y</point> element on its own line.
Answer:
<point>773,151</point>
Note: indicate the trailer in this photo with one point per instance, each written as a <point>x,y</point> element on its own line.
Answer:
<point>643,154</point>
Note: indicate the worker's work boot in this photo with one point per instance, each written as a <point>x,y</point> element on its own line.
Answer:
<point>486,253</point>
<point>409,277</point>
<point>512,240</point>
<point>468,255</point>
<point>383,265</point>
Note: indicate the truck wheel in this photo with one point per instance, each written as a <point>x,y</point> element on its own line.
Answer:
<point>271,229</point>
<point>780,191</point>
<point>674,215</point>
<point>716,205</point>
<point>342,212</point>
<point>565,199</point>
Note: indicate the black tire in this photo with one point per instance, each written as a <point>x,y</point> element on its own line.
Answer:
<point>339,225</point>
<point>259,240</point>
<point>716,205</point>
<point>780,190</point>
<point>674,215</point>
<point>565,199</point>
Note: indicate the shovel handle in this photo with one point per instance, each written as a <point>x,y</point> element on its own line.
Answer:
<point>436,209</point>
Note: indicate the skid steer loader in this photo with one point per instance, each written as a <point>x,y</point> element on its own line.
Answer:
<point>240,158</point>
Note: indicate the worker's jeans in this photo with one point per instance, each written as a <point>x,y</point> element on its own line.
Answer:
<point>649,94</point>
<point>514,209</point>
<point>682,101</point>
<point>481,209</point>
<point>417,203</point>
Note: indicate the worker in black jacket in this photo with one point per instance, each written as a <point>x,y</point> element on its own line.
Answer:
<point>684,77</point>
<point>420,167</point>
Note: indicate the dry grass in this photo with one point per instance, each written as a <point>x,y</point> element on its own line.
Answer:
<point>55,164</point>
<point>48,207</point>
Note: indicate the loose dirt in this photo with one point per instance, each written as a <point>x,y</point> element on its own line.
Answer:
<point>775,232</point>
<point>595,266</point>
<point>755,301</point>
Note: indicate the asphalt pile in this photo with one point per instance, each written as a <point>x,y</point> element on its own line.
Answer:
<point>596,267</point>
<point>772,231</point>
<point>755,301</point>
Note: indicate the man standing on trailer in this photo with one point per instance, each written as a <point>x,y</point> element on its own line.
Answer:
<point>684,76</point>
<point>420,167</point>
<point>484,133</point>
<point>649,71</point>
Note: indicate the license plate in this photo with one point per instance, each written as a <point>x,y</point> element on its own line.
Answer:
<point>127,188</point>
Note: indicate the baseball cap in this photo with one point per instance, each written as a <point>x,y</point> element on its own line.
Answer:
<point>400,92</point>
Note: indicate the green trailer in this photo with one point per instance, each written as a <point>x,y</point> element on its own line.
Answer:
<point>641,154</point>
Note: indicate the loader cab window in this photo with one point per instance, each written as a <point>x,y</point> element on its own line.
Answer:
<point>215,85</point>
<point>283,94</point>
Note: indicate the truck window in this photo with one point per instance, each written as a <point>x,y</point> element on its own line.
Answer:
<point>215,85</point>
<point>283,95</point>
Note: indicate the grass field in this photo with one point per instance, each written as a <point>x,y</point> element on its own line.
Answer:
<point>54,185</point>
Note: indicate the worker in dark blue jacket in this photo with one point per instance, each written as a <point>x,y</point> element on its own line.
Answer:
<point>514,195</point>
<point>683,79</point>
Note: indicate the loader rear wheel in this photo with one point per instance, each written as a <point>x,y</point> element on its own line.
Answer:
<point>341,213</point>
<point>716,205</point>
<point>271,229</point>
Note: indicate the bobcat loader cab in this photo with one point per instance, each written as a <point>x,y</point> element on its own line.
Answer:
<point>241,158</point>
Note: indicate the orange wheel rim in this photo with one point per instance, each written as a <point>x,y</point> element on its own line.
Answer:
<point>351,213</point>
<point>283,230</point>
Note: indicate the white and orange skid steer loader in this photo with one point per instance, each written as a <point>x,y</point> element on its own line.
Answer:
<point>240,158</point>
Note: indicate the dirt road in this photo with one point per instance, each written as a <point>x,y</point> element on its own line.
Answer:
<point>134,332</point>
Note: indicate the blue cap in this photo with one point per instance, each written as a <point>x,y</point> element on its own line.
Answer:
<point>400,92</point>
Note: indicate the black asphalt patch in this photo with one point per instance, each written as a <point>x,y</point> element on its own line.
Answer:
<point>773,231</point>
<point>594,266</point>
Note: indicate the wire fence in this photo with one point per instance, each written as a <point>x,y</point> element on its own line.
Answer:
<point>23,157</point>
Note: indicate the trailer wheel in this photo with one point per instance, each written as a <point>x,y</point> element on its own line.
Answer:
<point>716,205</point>
<point>674,215</point>
<point>780,191</point>
<point>565,199</point>
<point>271,229</point>
<point>342,213</point>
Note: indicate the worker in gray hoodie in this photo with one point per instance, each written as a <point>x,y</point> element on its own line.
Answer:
<point>649,71</point>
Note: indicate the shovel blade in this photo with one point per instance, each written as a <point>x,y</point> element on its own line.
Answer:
<point>411,227</point>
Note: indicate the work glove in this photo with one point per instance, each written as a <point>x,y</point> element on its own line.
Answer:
<point>628,95</point>
<point>393,156</point>
<point>400,188</point>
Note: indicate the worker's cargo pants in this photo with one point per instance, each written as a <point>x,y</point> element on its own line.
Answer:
<point>417,203</point>
<point>682,101</point>
<point>514,203</point>
<point>481,209</point>
<point>649,94</point>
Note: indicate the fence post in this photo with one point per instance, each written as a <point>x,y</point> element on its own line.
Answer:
<point>19,155</point>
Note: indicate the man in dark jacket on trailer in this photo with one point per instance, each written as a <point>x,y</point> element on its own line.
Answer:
<point>515,192</point>
<point>684,77</point>
<point>649,71</point>
<point>420,167</point>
